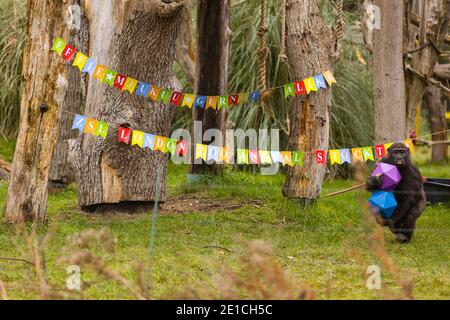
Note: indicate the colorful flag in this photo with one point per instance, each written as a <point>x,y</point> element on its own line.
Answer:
<point>387,146</point>
<point>289,90</point>
<point>188,100</point>
<point>254,96</point>
<point>164,95</point>
<point>182,147</point>
<point>320,81</point>
<point>409,143</point>
<point>119,82</point>
<point>124,135</point>
<point>243,97</point>
<point>137,138</point>
<point>91,125</point>
<point>276,156</point>
<point>380,151</point>
<point>224,155</point>
<point>200,151</point>
<point>58,46</point>
<point>160,144</point>
<point>89,66</point>
<point>130,85</point>
<point>233,100</point>
<point>175,99</point>
<point>80,61</point>
<point>171,146</point>
<point>222,103</point>
<point>211,102</point>
<point>310,85</point>
<point>287,158</point>
<point>242,156</point>
<point>335,156</point>
<point>102,129</point>
<point>213,153</point>
<point>357,155</point>
<point>199,102</point>
<point>300,88</point>
<point>149,141</point>
<point>264,157</point>
<point>345,156</point>
<point>109,78</point>
<point>329,77</point>
<point>154,92</point>
<point>99,72</point>
<point>142,89</point>
<point>68,52</point>
<point>254,157</point>
<point>297,158</point>
<point>321,157</point>
<point>368,153</point>
<point>79,122</point>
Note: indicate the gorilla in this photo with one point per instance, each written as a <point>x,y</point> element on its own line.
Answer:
<point>409,193</point>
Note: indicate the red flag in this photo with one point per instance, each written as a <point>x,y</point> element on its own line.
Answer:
<point>175,99</point>
<point>254,156</point>
<point>120,81</point>
<point>380,151</point>
<point>182,148</point>
<point>321,157</point>
<point>300,88</point>
<point>124,135</point>
<point>233,100</point>
<point>68,52</point>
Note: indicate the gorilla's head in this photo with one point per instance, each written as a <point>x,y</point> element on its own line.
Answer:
<point>399,155</point>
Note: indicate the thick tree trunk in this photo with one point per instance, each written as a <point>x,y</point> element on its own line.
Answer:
<point>44,84</point>
<point>74,100</point>
<point>135,38</point>
<point>310,50</point>
<point>437,106</point>
<point>389,76</point>
<point>213,38</point>
<point>435,17</point>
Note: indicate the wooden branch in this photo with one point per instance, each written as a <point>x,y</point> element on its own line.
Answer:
<point>358,186</point>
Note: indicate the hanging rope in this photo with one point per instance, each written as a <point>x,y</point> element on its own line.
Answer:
<point>340,26</point>
<point>262,50</point>
<point>282,56</point>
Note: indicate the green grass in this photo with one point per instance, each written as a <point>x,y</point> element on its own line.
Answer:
<point>313,244</point>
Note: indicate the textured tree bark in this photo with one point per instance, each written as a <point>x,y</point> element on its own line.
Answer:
<point>310,50</point>
<point>213,38</point>
<point>185,50</point>
<point>389,76</point>
<point>435,18</point>
<point>135,38</point>
<point>437,106</point>
<point>74,100</point>
<point>44,81</point>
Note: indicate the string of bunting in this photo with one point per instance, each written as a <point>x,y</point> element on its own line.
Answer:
<point>218,154</point>
<point>177,98</point>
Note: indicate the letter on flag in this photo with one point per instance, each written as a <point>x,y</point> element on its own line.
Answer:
<point>329,77</point>
<point>188,100</point>
<point>321,157</point>
<point>300,88</point>
<point>78,122</point>
<point>345,156</point>
<point>297,158</point>
<point>264,157</point>
<point>242,156</point>
<point>102,129</point>
<point>335,156</point>
<point>160,144</point>
<point>357,155</point>
<point>91,126</point>
<point>254,157</point>
<point>80,61</point>
<point>109,78</point>
<point>149,141</point>
<point>142,89</point>
<point>289,90</point>
<point>287,158</point>
<point>58,46</point>
<point>137,138</point>
<point>124,135</point>
<point>119,82</point>
<point>380,151</point>
<point>200,151</point>
<point>368,153</point>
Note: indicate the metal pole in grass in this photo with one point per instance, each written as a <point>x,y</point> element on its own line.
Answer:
<point>154,219</point>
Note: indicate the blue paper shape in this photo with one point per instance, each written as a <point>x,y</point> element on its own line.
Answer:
<point>320,81</point>
<point>254,96</point>
<point>142,89</point>
<point>79,122</point>
<point>200,101</point>
<point>89,66</point>
<point>149,141</point>
<point>384,202</point>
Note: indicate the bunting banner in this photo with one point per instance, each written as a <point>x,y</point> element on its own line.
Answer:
<point>177,98</point>
<point>212,153</point>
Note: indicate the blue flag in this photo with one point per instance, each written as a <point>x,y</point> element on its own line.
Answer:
<point>79,122</point>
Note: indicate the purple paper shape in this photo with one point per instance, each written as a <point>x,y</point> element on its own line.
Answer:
<point>391,175</point>
<point>384,202</point>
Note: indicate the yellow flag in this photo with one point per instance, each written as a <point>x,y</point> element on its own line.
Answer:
<point>99,72</point>
<point>329,77</point>
<point>224,155</point>
<point>160,144</point>
<point>264,157</point>
<point>335,156</point>
<point>243,97</point>
<point>80,61</point>
<point>138,138</point>
<point>200,151</point>
<point>188,100</point>
<point>90,126</point>
<point>130,85</point>
<point>387,146</point>
<point>357,155</point>
<point>409,143</point>
<point>211,102</point>
<point>310,85</point>
<point>286,156</point>
<point>154,92</point>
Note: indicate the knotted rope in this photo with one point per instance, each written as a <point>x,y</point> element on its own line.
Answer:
<point>262,50</point>
<point>282,56</point>
<point>340,26</point>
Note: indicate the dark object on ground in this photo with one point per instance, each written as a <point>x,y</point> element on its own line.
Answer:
<point>409,193</point>
<point>437,190</point>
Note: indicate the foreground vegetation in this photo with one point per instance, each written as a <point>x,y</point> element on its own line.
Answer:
<point>326,248</point>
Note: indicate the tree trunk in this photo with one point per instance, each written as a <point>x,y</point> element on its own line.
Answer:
<point>213,38</point>
<point>434,21</point>
<point>310,49</point>
<point>74,100</point>
<point>437,106</point>
<point>44,84</point>
<point>135,38</point>
<point>389,77</point>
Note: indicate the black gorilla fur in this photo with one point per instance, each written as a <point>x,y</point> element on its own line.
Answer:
<point>409,193</point>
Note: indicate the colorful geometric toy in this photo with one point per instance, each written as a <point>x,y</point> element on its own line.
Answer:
<point>384,202</point>
<point>391,175</point>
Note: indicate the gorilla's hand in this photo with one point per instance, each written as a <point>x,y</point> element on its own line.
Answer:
<point>380,220</point>
<point>374,183</point>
